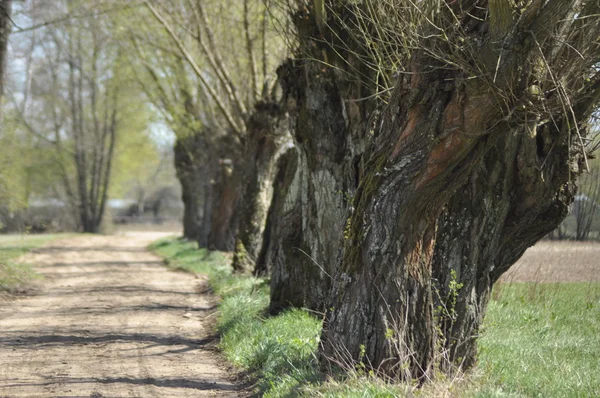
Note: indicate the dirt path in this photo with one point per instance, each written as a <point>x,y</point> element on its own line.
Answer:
<point>110,321</point>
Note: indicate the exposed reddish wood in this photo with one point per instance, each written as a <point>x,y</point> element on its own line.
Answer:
<point>444,155</point>
<point>413,118</point>
<point>418,261</point>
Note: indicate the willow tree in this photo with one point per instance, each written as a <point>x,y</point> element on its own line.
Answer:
<point>76,102</point>
<point>452,133</point>
<point>218,60</point>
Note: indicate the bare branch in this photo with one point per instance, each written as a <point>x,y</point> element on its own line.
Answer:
<point>239,129</point>
<point>215,50</point>
<point>250,51</point>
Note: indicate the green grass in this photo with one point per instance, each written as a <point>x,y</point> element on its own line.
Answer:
<point>278,351</point>
<point>537,340</point>
<point>542,340</point>
<point>15,276</point>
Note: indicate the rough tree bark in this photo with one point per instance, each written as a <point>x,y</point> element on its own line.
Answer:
<point>227,184</point>
<point>329,117</point>
<point>464,173</point>
<point>267,136</point>
<point>315,206</point>
<point>189,156</point>
<point>282,203</point>
<point>210,177</point>
<point>503,208</point>
<point>225,195</point>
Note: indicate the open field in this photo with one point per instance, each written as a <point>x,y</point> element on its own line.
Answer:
<point>541,340</point>
<point>552,261</point>
<point>541,334</point>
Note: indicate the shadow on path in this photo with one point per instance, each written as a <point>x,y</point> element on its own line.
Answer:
<point>35,342</point>
<point>105,264</point>
<point>108,310</point>
<point>158,382</point>
<point>103,249</point>
<point>114,289</point>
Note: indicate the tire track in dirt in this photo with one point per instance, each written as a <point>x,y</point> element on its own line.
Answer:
<point>110,321</point>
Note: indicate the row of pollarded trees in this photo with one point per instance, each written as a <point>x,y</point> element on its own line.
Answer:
<point>209,67</point>
<point>433,143</point>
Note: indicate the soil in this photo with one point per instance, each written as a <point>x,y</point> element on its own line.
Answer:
<point>550,261</point>
<point>110,320</point>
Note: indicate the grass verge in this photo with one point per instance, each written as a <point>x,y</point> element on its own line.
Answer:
<point>537,340</point>
<point>16,276</point>
<point>279,352</point>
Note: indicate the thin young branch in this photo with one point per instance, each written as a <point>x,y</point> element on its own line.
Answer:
<point>72,16</point>
<point>215,50</point>
<point>250,50</point>
<point>265,52</point>
<point>217,66</point>
<point>237,128</point>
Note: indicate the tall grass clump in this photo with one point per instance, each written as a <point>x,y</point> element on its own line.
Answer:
<point>16,276</point>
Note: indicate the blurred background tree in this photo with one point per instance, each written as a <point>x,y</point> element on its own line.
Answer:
<point>77,127</point>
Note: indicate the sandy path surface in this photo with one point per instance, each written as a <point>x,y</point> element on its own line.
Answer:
<point>110,321</point>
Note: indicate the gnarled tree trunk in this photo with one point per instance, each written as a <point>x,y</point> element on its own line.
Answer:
<point>210,179</point>
<point>486,227</point>
<point>432,231</point>
<point>281,214</point>
<point>267,137</point>
<point>225,195</point>
<point>464,173</point>
<point>330,121</point>
<point>195,186</point>
<point>309,219</point>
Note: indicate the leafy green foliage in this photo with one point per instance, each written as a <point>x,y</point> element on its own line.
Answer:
<point>26,165</point>
<point>76,121</point>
